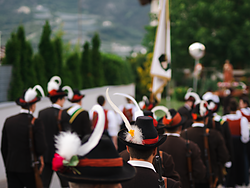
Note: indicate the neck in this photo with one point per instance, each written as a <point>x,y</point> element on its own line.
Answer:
<point>150,159</point>
<point>232,112</point>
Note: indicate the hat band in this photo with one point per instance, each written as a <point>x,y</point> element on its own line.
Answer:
<point>115,162</point>
<point>150,141</point>
<point>76,98</point>
<point>54,93</point>
<point>23,101</point>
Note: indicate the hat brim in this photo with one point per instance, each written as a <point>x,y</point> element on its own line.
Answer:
<point>119,174</point>
<point>18,101</point>
<point>161,125</point>
<point>59,94</point>
<point>80,98</point>
<point>122,134</point>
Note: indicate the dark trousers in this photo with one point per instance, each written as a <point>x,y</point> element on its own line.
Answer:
<point>47,175</point>
<point>20,180</point>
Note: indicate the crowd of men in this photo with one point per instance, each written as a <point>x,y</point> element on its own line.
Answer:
<point>128,146</point>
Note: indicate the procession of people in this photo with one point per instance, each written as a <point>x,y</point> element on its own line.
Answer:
<point>127,146</point>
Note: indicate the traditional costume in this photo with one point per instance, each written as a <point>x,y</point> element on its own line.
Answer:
<point>142,137</point>
<point>75,118</point>
<point>181,150</point>
<point>15,145</point>
<point>50,118</point>
<point>213,154</point>
<point>94,160</point>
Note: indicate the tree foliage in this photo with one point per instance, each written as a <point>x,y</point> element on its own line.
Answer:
<point>46,50</point>
<point>98,73</point>
<point>86,67</point>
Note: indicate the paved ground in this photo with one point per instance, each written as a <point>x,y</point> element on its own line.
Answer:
<point>10,108</point>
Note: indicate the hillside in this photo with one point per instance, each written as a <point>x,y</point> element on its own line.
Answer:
<point>119,23</point>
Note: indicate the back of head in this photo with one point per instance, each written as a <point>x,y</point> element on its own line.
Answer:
<point>233,105</point>
<point>140,154</point>
<point>101,100</point>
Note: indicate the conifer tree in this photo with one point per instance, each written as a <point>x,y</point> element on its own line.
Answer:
<point>58,53</point>
<point>46,50</point>
<point>12,58</point>
<point>40,70</point>
<point>25,54</point>
<point>72,76</point>
<point>86,67</point>
<point>98,73</point>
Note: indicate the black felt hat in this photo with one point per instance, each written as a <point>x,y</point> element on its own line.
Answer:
<point>102,165</point>
<point>77,96</point>
<point>54,87</point>
<point>145,135</point>
<point>172,122</point>
<point>29,96</point>
<point>200,111</point>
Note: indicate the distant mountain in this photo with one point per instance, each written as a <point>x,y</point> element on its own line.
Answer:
<point>120,23</point>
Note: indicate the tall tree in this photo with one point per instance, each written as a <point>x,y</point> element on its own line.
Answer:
<point>40,70</point>
<point>98,72</point>
<point>12,58</point>
<point>86,67</point>
<point>25,54</point>
<point>72,76</point>
<point>58,53</point>
<point>46,50</point>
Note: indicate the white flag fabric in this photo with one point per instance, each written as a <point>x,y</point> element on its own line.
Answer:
<point>160,67</point>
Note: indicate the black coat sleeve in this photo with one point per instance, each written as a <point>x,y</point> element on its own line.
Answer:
<point>39,137</point>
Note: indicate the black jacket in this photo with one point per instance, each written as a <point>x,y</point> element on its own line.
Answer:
<point>15,146</point>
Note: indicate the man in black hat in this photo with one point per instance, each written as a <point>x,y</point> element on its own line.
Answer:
<point>92,162</point>
<point>15,146</point>
<point>186,109</point>
<point>186,154</point>
<point>75,118</point>
<point>50,118</point>
<point>211,144</point>
<point>142,141</point>
<point>168,165</point>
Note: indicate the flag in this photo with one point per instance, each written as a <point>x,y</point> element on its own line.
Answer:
<point>160,67</point>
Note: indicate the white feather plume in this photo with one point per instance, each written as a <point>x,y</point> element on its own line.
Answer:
<point>52,84</point>
<point>97,133</point>
<point>127,124</point>
<point>137,138</point>
<point>138,112</point>
<point>70,92</point>
<point>162,108</point>
<point>196,97</point>
<point>39,88</point>
<point>203,109</point>
<point>67,144</point>
<point>32,93</point>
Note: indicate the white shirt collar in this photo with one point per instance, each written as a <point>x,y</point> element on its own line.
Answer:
<point>73,109</point>
<point>56,106</point>
<point>198,125</point>
<point>145,164</point>
<point>172,134</point>
<point>25,111</point>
